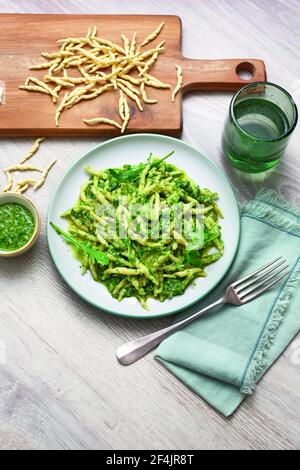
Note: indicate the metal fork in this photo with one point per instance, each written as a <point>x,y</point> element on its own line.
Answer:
<point>238,293</point>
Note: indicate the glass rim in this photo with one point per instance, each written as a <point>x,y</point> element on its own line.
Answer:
<point>271,85</point>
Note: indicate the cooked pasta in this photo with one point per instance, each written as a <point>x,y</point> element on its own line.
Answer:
<point>141,252</point>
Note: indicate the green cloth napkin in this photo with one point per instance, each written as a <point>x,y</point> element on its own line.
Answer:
<point>224,354</point>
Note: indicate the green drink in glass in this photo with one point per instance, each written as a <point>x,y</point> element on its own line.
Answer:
<point>261,119</point>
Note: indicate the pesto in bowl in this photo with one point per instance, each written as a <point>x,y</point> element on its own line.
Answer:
<point>16,226</point>
<point>20,224</point>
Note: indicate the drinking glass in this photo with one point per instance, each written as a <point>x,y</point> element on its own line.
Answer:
<point>262,117</point>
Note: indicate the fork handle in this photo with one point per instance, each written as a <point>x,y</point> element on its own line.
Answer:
<point>130,352</point>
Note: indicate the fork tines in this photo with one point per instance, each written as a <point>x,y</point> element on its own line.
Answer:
<point>277,269</point>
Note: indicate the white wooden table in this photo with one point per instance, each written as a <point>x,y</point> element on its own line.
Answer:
<point>60,384</point>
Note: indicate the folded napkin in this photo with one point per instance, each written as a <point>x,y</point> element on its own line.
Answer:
<point>224,354</point>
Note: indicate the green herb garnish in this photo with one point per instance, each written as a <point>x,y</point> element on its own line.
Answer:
<point>86,248</point>
<point>131,174</point>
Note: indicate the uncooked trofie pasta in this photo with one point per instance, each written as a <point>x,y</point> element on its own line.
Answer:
<point>33,150</point>
<point>179,82</point>
<point>98,66</point>
<point>23,185</point>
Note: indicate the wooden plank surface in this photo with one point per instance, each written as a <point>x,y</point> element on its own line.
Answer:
<point>25,113</point>
<point>60,385</point>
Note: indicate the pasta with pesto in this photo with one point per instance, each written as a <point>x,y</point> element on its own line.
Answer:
<point>130,218</point>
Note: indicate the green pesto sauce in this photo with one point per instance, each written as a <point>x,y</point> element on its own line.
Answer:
<point>16,226</point>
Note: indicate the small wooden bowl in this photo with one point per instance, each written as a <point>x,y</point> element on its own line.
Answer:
<point>6,198</point>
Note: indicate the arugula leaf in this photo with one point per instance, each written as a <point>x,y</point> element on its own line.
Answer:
<point>96,255</point>
<point>192,258</point>
<point>149,158</point>
<point>212,235</point>
<point>158,162</point>
<point>124,176</point>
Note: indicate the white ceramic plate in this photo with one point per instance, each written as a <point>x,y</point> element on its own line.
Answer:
<point>134,149</point>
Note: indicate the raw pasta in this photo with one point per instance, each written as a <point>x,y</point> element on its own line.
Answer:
<point>99,66</point>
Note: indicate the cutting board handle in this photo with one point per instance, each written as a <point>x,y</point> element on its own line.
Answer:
<point>220,75</point>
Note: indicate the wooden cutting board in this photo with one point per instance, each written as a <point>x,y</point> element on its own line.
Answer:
<point>24,37</point>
